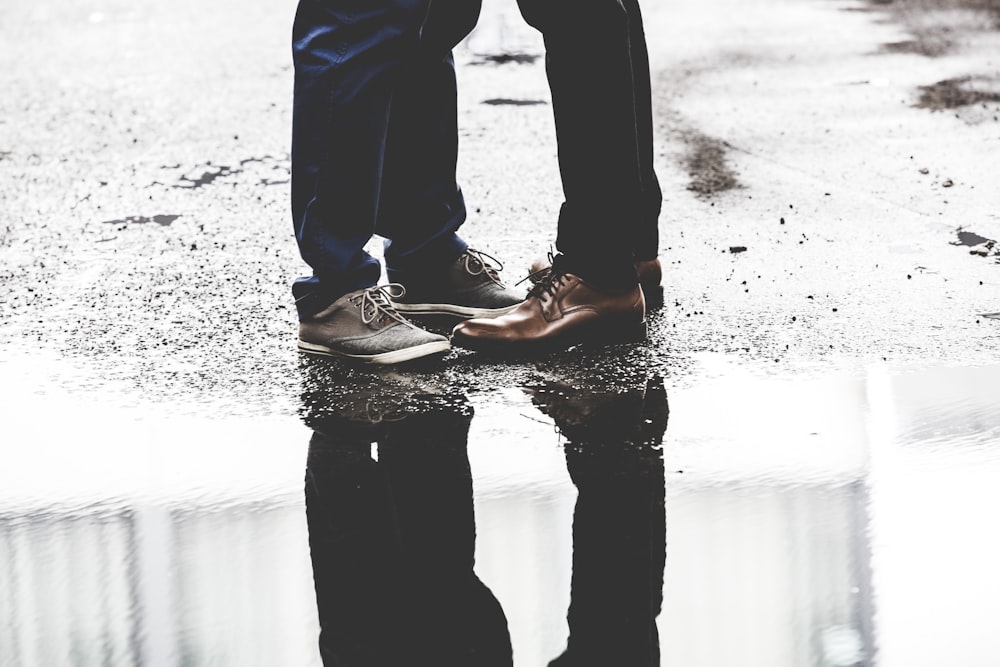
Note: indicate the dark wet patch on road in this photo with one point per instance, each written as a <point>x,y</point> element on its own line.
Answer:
<point>162,220</point>
<point>707,165</point>
<point>506,59</point>
<point>938,27</point>
<point>207,177</point>
<point>206,174</point>
<point>506,101</point>
<point>611,368</point>
<point>932,48</point>
<point>970,239</point>
<point>958,92</point>
<point>979,245</point>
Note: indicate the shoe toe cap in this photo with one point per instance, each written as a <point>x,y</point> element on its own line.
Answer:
<point>476,329</point>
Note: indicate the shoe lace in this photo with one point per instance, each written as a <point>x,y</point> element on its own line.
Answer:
<point>479,263</point>
<point>541,274</point>
<point>376,303</point>
<point>550,280</point>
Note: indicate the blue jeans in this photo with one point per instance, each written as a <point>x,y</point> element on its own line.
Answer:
<point>374,139</point>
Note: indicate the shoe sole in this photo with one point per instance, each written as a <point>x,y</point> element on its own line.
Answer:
<point>605,334</point>
<point>450,309</point>
<point>384,358</point>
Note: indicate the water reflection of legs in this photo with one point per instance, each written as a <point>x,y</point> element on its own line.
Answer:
<point>392,542</point>
<point>619,530</point>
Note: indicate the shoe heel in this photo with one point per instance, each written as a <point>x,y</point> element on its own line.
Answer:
<point>635,333</point>
<point>653,295</point>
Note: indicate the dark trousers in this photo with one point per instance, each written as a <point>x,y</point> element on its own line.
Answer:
<point>614,457</point>
<point>598,70</point>
<point>392,544</point>
<point>619,541</point>
<point>374,139</point>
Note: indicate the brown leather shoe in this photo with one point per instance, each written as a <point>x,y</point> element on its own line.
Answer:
<point>560,311</point>
<point>650,272</point>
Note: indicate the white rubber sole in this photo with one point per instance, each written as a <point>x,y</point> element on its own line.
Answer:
<point>394,357</point>
<point>450,309</point>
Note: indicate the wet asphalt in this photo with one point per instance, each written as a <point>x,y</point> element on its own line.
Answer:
<point>146,231</point>
<point>828,339</point>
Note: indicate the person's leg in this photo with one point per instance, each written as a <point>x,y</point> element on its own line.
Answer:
<point>594,104</point>
<point>357,557</point>
<point>421,206</point>
<point>592,290</point>
<point>458,621</point>
<point>348,59</point>
<point>647,240</point>
<point>645,245</point>
<point>351,61</point>
<point>613,456</point>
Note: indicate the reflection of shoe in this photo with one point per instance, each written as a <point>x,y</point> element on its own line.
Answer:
<point>650,272</point>
<point>364,326</point>
<point>560,311</point>
<point>590,414</point>
<point>340,399</point>
<point>470,287</point>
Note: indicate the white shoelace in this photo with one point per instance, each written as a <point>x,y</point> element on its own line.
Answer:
<point>376,302</point>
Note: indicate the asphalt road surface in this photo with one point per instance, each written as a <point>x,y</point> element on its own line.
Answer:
<point>829,338</point>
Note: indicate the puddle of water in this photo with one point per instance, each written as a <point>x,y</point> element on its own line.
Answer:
<point>727,518</point>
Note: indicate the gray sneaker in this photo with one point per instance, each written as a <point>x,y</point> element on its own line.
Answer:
<point>364,326</point>
<point>470,287</point>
